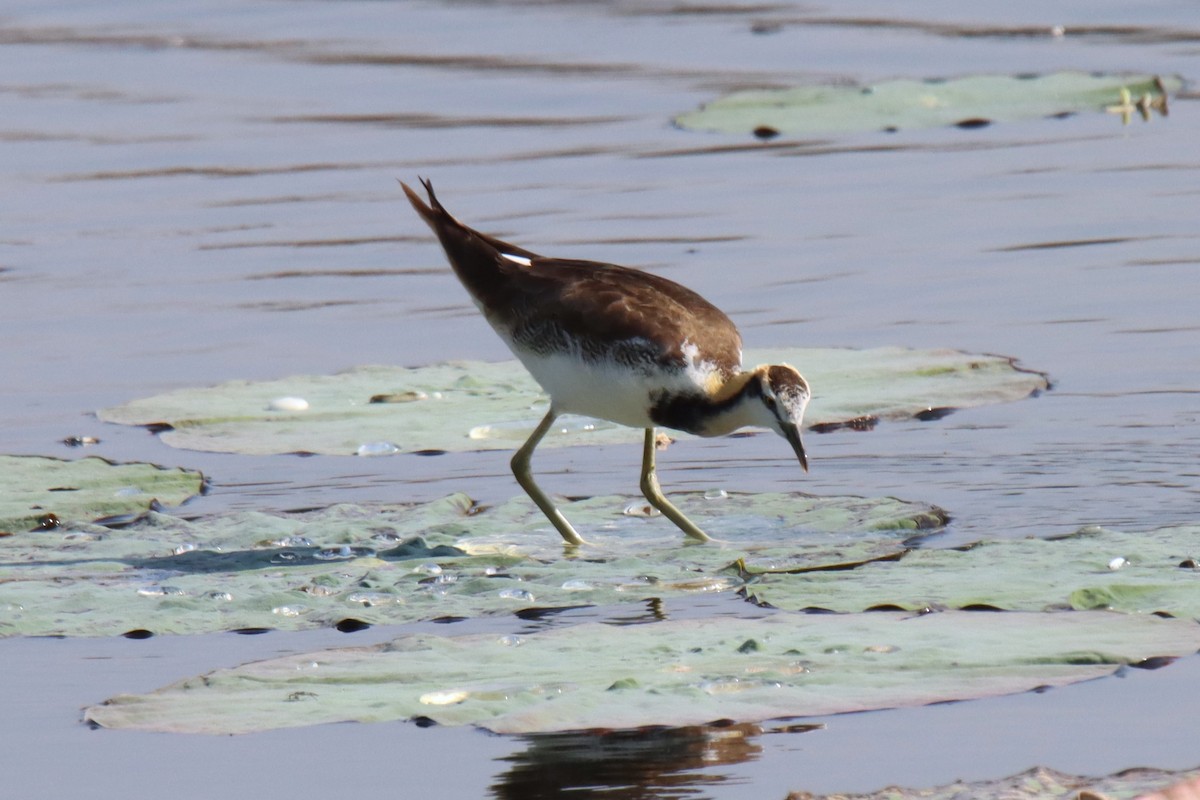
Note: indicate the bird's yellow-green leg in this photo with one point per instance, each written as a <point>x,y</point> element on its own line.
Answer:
<point>654,494</point>
<point>520,468</point>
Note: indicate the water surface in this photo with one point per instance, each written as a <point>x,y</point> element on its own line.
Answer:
<point>202,191</point>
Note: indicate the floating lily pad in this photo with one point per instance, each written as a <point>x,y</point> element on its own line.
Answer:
<point>400,564</point>
<point>1148,572</point>
<point>44,492</point>
<point>906,104</point>
<point>481,406</point>
<point>677,672</point>
<point>396,564</point>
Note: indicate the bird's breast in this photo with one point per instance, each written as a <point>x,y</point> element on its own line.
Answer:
<point>621,390</point>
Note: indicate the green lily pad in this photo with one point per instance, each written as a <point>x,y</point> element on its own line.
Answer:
<point>1141,573</point>
<point>44,492</point>
<point>481,406</point>
<point>908,104</point>
<point>677,672</point>
<point>399,564</point>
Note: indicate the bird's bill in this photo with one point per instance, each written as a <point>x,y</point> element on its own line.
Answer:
<point>792,434</point>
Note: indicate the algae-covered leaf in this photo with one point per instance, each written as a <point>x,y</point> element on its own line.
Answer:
<point>676,672</point>
<point>45,492</point>
<point>396,564</point>
<point>1139,573</point>
<point>908,104</point>
<point>480,406</point>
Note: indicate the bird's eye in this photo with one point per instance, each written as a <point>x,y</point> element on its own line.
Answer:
<point>769,402</point>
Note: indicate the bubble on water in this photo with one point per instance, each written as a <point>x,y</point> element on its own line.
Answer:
<point>80,441</point>
<point>567,425</point>
<point>295,541</point>
<point>287,541</point>
<point>186,547</point>
<point>518,431</point>
<point>511,640</point>
<point>343,552</point>
<point>578,585</point>
<point>640,508</point>
<point>720,686</point>
<point>161,591</point>
<point>1117,563</point>
<point>715,494</point>
<point>217,595</point>
<point>427,569</point>
<point>290,611</point>
<point>288,404</point>
<point>733,684</point>
<point>446,697</point>
<point>377,449</point>
<point>516,594</point>
<point>370,599</point>
<point>481,432</point>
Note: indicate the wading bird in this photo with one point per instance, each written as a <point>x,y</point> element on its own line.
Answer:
<point>618,344</point>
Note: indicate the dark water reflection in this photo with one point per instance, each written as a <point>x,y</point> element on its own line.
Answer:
<point>628,765</point>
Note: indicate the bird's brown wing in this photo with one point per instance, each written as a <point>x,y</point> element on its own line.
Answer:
<point>604,310</point>
<point>615,312</point>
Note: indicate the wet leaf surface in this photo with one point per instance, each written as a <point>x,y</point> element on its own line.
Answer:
<point>395,564</point>
<point>450,558</point>
<point>482,406</point>
<point>676,672</point>
<point>1094,569</point>
<point>47,493</point>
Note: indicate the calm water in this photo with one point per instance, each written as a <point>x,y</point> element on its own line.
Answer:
<point>201,191</point>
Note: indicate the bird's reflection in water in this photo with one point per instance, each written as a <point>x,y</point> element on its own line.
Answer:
<point>628,764</point>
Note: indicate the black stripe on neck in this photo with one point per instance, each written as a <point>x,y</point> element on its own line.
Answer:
<point>692,412</point>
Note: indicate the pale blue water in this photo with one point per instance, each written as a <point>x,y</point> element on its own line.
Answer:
<point>182,184</point>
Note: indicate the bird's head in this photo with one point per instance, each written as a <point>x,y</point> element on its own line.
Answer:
<point>784,394</point>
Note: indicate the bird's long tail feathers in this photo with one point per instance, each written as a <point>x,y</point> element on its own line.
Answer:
<point>468,249</point>
<point>434,213</point>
